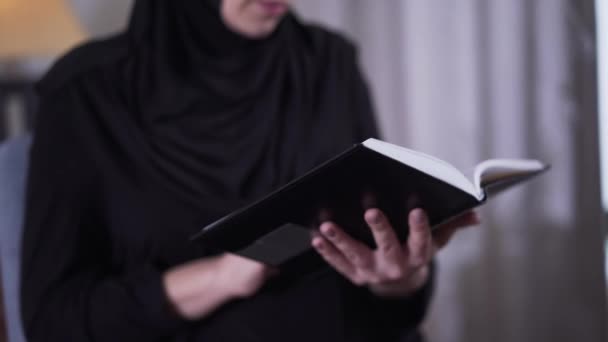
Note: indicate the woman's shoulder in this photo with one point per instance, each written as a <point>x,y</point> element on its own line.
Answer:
<point>81,61</point>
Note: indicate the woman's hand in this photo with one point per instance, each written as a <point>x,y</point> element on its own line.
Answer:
<point>392,269</point>
<point>197,288</point>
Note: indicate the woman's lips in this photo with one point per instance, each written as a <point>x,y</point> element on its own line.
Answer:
<point>274,8</point>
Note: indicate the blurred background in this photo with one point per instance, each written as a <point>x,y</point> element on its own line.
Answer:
<point>463,80</point>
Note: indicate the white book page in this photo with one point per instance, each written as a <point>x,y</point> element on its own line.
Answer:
<point>497,170</point>
<point>430,165</point>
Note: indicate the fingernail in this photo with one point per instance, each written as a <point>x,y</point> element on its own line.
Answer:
<point>419,216</point>
<point>317,243</point>
<point>328,230</point>
<point>376,218</point>
<point>373,216</point>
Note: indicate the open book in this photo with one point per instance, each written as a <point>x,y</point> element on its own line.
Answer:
<point>277,228</point>
<point>490,176</point>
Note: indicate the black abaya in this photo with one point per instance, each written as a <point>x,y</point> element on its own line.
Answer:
<point>145,137</point>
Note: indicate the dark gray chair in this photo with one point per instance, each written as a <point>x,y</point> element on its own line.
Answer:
<point>13,169</point>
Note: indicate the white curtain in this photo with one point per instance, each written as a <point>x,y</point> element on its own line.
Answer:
<point>472,79</point>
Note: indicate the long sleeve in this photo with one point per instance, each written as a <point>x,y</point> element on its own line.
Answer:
<point>69,292</point>
<point>374,318</point>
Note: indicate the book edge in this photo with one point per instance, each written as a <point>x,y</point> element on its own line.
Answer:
<point>441,172</point>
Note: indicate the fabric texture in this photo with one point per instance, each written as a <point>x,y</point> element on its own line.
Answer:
<point>144,138</point>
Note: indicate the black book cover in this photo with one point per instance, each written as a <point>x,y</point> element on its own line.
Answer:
<point>277,229</point>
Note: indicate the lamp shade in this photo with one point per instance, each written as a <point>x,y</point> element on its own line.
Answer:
<point>37,28</point>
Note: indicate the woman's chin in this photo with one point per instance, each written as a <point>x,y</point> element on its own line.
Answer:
<point>259,30</point>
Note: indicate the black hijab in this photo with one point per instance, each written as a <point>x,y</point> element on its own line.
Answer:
<point>229,117</point>
<point>217,118</point>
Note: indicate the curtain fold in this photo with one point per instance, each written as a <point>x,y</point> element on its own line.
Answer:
<point>477,79</point>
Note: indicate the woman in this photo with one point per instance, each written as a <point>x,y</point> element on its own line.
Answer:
<point>142,139</point>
